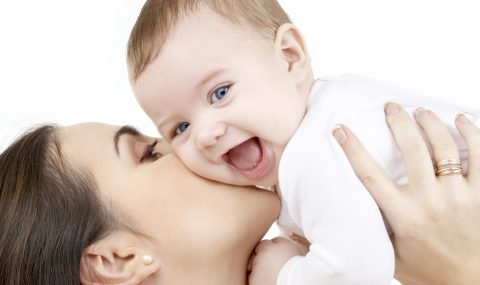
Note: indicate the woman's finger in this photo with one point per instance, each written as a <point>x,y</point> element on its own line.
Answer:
<point>471,135</point>
<point>380,186</point>
<point>417,159</point>
<point>440,139</point>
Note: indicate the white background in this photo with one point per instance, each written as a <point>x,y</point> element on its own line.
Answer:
<point>64,61</point>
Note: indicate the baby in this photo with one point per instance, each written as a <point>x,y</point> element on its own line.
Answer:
<point>229,84</point>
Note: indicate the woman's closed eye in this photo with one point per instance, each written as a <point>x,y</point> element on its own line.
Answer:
<point>150,154</point>
<point>218,94</point>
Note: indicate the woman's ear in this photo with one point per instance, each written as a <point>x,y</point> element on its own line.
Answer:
<point>117,259</point>
<point>290,46</point>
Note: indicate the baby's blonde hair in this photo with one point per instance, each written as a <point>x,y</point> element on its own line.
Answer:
<point>159,16</point>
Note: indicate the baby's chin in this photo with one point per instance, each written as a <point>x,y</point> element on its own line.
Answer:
<point>267,183</point>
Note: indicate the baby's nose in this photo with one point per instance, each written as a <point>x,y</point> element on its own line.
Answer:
<point>209,136</point>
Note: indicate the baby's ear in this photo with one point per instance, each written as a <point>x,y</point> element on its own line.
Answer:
<point>116,260</point>
<point>290,46</point>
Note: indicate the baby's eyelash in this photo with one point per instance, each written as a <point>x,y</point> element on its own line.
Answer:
<point>149,152</point>
<point>174,133</point>
<point>218,94</point>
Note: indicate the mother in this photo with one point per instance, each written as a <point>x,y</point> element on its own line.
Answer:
<point>96,204</point>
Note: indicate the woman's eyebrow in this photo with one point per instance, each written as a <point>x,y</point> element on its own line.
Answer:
<point>129,130</point>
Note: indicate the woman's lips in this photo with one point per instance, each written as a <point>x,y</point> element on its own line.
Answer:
<point>249,158</point>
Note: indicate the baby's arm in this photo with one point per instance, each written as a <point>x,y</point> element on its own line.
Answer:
<point>269,257</point>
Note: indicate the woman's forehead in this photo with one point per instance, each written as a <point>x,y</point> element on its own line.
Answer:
<point>87,142</point>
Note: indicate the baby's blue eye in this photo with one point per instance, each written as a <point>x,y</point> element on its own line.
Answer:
<point>218,94</point>
<point>180,128</point>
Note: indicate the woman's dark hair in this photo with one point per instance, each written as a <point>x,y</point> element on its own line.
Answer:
<point>50,212</point>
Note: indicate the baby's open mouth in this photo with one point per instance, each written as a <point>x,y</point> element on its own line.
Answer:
<point>246,155</point>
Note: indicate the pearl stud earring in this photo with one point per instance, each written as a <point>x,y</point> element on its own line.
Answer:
<point>147,259</point>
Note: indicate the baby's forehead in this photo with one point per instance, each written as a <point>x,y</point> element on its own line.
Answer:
<point>157,21</point>
<point>188,58</point>
<point>193,41</point>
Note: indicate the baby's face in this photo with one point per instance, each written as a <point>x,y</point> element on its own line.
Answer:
<point>224,100</point>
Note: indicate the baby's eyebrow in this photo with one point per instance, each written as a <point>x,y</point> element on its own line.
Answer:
<point>209,77</point>
<point>129,130</point>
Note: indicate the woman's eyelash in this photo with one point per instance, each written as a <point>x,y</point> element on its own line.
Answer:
<point>149,152</point>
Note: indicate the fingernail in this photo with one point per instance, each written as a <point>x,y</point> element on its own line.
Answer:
<point>391,109</point>
<point>462,119</point>
<point>419,112</point>
<point>340,134</point>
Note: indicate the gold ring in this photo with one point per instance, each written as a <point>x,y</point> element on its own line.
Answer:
<point>449,166</point>
<point>447,161</point>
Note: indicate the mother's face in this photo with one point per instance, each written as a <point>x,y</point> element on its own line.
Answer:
<point>180,210</point>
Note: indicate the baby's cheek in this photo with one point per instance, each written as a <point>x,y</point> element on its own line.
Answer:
<point>194,162</point>
<point>207,171</point>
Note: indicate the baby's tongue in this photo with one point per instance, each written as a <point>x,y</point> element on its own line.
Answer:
<point>246,155</point>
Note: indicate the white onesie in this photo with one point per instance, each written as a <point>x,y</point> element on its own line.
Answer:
<point>323,199</point>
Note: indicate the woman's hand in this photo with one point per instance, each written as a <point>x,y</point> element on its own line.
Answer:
<point>435,219</point>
